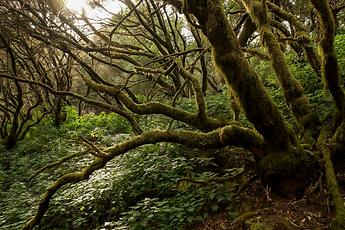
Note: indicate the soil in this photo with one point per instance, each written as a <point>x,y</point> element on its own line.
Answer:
<point>260,209</point>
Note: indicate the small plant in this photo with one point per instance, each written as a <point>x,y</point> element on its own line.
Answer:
<point>178,212</point>
<point>340,47</point>
<point>93,125</point>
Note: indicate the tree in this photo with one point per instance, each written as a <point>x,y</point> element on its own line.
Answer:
<point>144,46</point>
<point>21,105</point>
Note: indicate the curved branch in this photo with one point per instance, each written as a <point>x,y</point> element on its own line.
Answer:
<point>66,179</point>
<point>199,96</point>
<point>338,222</point>
<point>129,116</point>
<point>293,90</point>
<point>257,53</point>
<point>330,68</point>
<point>229,135</point>
<point>249,27</point>
<point>56,163</point>
<point>304,40</point>
<point>206,124</point>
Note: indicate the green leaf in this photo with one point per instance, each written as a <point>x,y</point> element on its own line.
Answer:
<point>190,219</point>
<point>214,208</point>
<point>199,218</point>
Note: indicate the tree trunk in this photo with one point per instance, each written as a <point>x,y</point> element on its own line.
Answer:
<point>283,155</point>
<point>59,114</point>
<point>292,88</point>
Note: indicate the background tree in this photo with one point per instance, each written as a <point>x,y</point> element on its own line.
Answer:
<point>21,105</point>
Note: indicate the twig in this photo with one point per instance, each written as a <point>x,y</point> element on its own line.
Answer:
<point>56,163</point>
<point>96,151</point>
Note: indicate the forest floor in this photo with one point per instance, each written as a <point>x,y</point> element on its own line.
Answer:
<point>147,181</point>
<point>260,209</point>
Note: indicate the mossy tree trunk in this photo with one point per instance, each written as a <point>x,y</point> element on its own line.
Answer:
<point>330,68</point>
<point>301,35</point>
<point>292,88</point>
<point>283,154</point>
<point>330,74</point>
<point>59,113</point>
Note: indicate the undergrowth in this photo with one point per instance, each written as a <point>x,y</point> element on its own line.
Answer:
<point>137,190</point>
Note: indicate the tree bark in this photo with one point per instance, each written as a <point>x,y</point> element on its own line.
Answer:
<point>292,88</point>
<point>283,154</point>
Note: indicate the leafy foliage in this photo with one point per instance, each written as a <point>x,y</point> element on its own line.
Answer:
<point>45,144</point>
<point>177,212</point>
<point>124,193</point>
<point>340,47</point>
<point>94,125</point>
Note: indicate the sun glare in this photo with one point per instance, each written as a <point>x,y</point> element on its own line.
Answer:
<point>78,6</point>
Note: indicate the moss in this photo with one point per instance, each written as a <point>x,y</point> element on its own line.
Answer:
<point>284,154</point>
<point>257,11</point>
<point>338,140</point>
<point>287,172</point>
<point>330,68</point>
<point>338,221</point>
<point>293,90</point>
<point>258,226</point>
<point>268,224</point>
<point>282,164</point>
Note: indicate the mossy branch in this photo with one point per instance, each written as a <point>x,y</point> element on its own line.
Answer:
<point>249,27</point>
<point>199,97</point>
<point>303,40</point>
<point>338,221</point>
<point>229,135</point>
<point>127,115</point>
<point>52,189</point>
<point>287,16</point>
<point>330,68</point>
<point>293,90</point>
<point>95,151</point>
<point>205,124</point>
<point>257,53</point>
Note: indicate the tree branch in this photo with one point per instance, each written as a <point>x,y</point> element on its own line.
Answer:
<point>330,68</point>
<point>229,135</point>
